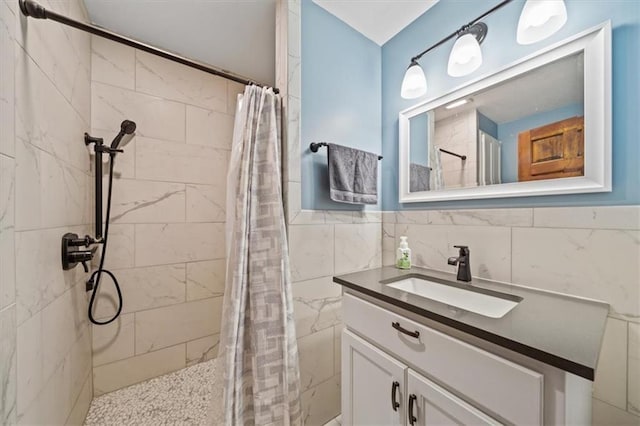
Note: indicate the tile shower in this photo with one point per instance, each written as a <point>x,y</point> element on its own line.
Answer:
<point>168,213</point>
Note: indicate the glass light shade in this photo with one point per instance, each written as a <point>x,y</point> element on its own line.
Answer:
<point>465,57</point>
<point>540,19</point>
<point>414,83</point>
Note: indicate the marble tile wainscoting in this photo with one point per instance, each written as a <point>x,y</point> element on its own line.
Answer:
<point>592,252</point>
<point>320,248</point>
<point>45,191</point>
<point>167,236</point>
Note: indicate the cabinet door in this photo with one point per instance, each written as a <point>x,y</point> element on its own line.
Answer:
<point>429,404</point>
<point>373,384</point>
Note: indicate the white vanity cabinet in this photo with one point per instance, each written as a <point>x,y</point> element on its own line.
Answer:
<point>430,404</point>
<point>445,380</point>
<point>379,390</point>
<point>373,382</point>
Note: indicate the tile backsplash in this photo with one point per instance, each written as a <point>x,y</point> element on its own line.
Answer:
<point>592,252</point>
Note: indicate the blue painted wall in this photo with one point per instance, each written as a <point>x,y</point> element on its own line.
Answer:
<point>499,49</point>
<point>341,99</point>
<point>418,146</point>
<point>508,135</point>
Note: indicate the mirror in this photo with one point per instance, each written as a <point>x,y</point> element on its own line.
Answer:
<point>538,127</point>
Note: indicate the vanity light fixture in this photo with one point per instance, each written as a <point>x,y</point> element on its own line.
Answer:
<point>539,19</point>
<point>414,83</point>
<point>466,55</point>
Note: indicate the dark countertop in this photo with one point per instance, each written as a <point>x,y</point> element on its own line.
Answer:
<point>560,330</point>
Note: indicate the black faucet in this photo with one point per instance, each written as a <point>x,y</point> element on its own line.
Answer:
<point>463,262</point>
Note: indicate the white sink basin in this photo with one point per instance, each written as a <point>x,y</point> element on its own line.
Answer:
<point>483,302</point>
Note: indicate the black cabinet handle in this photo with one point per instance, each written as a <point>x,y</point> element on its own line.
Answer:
<point>394,403</point>
<point>397,326</point>
<point>412,418</point>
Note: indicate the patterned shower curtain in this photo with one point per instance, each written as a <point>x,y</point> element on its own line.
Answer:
<point>258,349</point>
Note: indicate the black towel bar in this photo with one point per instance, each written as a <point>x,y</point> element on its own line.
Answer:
<point>314,146</point>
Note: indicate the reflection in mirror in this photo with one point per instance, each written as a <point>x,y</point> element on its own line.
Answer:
<point>530,127</point>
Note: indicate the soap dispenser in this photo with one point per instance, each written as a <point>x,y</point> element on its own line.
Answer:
<point>403,258</point>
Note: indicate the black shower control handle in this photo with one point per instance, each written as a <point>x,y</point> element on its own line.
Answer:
<point>71,255</point>
<point>86,241</point>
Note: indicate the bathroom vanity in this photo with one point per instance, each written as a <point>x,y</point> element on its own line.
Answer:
<point>414,354</point>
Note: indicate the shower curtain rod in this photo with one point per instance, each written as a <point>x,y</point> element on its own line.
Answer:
<point>462,157</point>
<point>32,9</point>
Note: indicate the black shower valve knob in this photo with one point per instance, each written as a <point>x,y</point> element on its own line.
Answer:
<point>72,255</point>
<point>85,241</point>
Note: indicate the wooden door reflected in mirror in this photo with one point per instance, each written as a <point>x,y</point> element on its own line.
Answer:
<point>552,151</point>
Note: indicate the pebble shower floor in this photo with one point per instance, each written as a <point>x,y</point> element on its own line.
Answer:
<point>180,398</point>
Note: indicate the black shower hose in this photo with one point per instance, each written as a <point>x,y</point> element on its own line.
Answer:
<point>94,280</point>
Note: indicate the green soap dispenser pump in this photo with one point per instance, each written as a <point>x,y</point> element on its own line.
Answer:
<point>403,258</point>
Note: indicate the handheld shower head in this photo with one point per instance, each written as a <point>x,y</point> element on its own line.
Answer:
<point>127,127</point>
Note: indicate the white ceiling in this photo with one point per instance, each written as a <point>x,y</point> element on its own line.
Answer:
<point>546,88</point>
<point>235,35</point>
<point>378,20</point>
<point>239,35</point>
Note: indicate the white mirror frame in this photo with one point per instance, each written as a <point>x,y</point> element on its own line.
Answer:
<point>596,44</point>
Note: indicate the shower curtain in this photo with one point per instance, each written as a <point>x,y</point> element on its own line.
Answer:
<point>436,178</point>
<point>258,349</point>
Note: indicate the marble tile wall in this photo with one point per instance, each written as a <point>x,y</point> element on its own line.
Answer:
<point>45,340</point>
<point>167,241</point>
<point>320,249</point>
<point>592,252</point>
<point>458,133</point>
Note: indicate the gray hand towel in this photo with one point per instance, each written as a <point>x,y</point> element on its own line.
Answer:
<point>418,177</point>
<point>353,175</point>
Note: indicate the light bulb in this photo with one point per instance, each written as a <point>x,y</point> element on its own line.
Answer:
<point>465,57</point>
<point>414,83</point>
<point>540,19</point>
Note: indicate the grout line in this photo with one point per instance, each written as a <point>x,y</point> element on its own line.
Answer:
<point>167,306</point>
<point>511,257</point>
<point>84,383</point>
<point>135,68</point>
<point>133,178</point>
<point>626,358</point>
<point>143,93</point>
<point>184,136</point>
<point>186,284</point>
<point>135,340</point>
<point>168,264</point>
<point>185,354</point>
<point>333,248</point>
